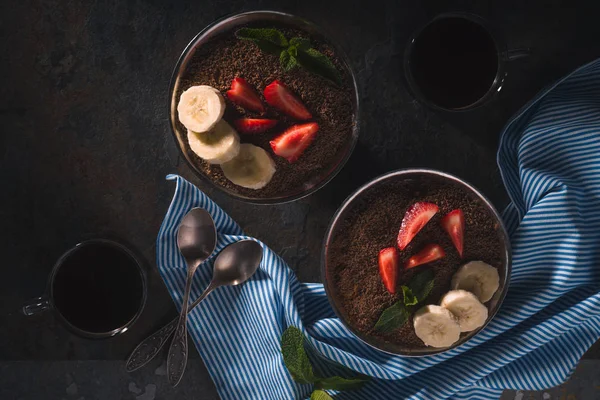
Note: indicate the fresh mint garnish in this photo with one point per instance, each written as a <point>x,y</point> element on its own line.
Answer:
<point>268,40</point>
<point>318,63</point>
<point>296,51</point>
<point>295,357</point>
<point>296,361</point>
<point>392,317</point>
<point>409,298</point>
<point>339,383</point>
<point>421,284</point>
<point>287,60</point>
<point>415,292</point>
<point>320,395</point>
<point>301,44</point>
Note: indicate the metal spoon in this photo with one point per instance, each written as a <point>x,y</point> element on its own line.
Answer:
<point>196,239</point>
<point>234,265</point>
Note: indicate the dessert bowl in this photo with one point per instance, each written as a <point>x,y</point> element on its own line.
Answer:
<point>371,222</point>
<point>215,58</point>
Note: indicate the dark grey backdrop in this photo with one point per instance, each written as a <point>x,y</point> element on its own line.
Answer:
<point>85,147</point>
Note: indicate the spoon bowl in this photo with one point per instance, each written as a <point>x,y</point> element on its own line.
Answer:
<point>196,236</point>
<point>237,262</point>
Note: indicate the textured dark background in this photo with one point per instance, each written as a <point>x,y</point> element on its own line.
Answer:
<point>85,146</point>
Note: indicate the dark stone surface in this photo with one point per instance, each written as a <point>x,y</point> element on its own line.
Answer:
<point>85,141</point>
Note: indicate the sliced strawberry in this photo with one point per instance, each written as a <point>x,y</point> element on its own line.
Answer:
<point>454,224</point>
<point>430,253</point>
<point>279,96</point>
<point>244,95</point>
<point>292,143</point>
<point>253,126</point>
<point>416,217</point>
<point>388,268</point>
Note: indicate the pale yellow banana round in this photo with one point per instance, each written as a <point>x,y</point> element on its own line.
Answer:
<point>200,108</point>
<point>253,167</point>
<point>216,146</point>
<point>436,326</point>
<point>466,307</point>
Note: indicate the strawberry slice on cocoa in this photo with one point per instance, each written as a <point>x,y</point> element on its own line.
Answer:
<point>388,268</point>
<point>253,126</point>
<point>415,218</point>
<point>454,224</point>
<point>292,143</point>
<point>244,95</point>
<point>280,97</point>
<point>431,252</point>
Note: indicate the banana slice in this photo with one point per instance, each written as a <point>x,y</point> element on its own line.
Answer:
<point>436,326</point>
<point>478,278</point>
<point>200,108</point>
<point>467,309</point>
<point>253,168</point>
<point>216,146</point>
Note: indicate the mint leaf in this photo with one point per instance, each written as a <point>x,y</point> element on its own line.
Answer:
<point>301,44</point>
<point>421,284</point>
<point>392,317</point>
<point>270,35</point>
<point>409,297</point>
<point>319,64</point>
<point>295,357</point>
<point>287,60</point>
<point>269,40</point>
<point>339,383</point>
<point>320,395</point>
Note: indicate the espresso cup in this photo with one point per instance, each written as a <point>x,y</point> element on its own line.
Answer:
<point>456,62</point>
<point>97,289</point>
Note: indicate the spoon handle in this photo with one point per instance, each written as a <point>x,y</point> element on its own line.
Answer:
<point>150,347</point>
<point>178,352</point>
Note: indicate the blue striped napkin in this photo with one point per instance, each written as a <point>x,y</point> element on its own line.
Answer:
<point>550,162</point>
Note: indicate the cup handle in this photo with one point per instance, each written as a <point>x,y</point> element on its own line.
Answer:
<point>516,54</point>
<point>36,306</point>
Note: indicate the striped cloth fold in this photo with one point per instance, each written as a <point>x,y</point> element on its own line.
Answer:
<point>549,157</point>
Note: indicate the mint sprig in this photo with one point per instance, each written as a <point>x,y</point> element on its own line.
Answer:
<point>339,383</point>
<point>298,364</point>
<point>295,357</point>
<point>414,293</point>
<point>297,51</point>
<point>320,395</point>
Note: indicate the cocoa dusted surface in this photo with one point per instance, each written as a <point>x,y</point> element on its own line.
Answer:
<point>373,224</point>
<point>225,57</point>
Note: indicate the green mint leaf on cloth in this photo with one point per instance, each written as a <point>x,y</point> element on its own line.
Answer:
<point>268,40</point>
<point>301,44</point>
<point>339,383</point>
<point>287,60</point>
<point>320,395</point>
<point>295,357</point>
<point>421,284</point>
<point>318,63</point>
<point>393,317</point>
<point>409,297</point>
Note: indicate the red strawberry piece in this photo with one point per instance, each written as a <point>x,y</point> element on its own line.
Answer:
<point>244,95</point>
<point>279,96</point>
<point>292,143</point>
<point>388,268</point>
<point>254,125</point>
<point>454,224</point>
<point>430,253</point>
<point>416,217</point>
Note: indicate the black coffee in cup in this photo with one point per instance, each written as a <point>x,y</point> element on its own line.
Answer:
<point>98,287</point>
<point>453,61</point>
